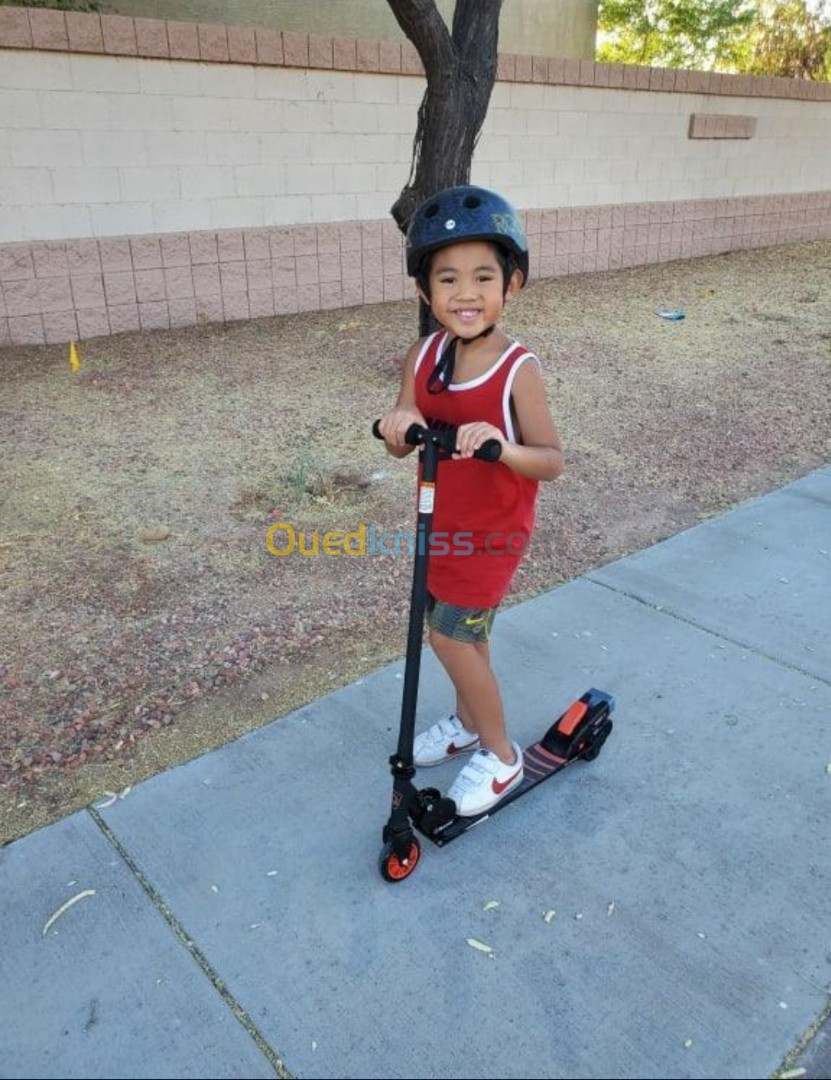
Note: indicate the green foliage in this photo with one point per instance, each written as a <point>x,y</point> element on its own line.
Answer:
<point>791,40</point>
<point>697,34</point>
<point>763,37</point>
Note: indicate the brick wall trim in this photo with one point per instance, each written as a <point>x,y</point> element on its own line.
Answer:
<point>122,35</point>
<point>52,292</point>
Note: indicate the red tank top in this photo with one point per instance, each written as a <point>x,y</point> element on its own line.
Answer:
<point>484,513</point>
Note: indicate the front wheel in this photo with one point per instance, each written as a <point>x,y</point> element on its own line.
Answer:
<point>394,869</point>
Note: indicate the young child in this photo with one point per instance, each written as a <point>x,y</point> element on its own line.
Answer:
<point>467,251</point>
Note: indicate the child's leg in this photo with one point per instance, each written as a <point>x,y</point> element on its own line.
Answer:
<point>459,637</point>
<point>464,712</point>
<point>479,702</point>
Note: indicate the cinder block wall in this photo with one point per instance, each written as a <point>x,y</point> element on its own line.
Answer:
<point>157,174</point>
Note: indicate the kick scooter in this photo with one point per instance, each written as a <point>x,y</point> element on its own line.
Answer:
<point>579,733</point>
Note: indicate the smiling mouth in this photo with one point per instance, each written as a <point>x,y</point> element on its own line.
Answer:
<point>467,314</point>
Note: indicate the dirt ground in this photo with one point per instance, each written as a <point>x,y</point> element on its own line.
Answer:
<point>146,621</point>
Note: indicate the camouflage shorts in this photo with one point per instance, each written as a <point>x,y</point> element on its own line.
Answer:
<point>462,624</point>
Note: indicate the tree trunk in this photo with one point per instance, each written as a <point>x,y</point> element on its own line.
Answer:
<point>461,69</point>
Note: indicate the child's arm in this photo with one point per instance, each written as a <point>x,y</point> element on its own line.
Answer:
<point>394,424</point>
<point>539,453</point>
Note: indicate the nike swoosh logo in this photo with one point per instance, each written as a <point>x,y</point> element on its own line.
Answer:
<point>475,622</point>
<point>454,749</point>
<point>499,788</point>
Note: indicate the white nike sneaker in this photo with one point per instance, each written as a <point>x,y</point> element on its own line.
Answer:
<point>443,741</point>
<point>484,781</point>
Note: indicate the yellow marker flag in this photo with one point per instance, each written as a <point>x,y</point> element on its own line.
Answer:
<point>74,359</point>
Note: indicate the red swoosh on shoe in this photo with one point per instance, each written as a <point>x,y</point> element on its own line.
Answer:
<point>454,749</point>
<point>499,788</point>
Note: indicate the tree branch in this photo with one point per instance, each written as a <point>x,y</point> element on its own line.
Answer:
<point>460,70</point>
<point>474,22</point>
<point>426,29</point>
<point>460,74</point>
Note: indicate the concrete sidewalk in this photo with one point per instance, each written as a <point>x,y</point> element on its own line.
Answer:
<point>235,923</point>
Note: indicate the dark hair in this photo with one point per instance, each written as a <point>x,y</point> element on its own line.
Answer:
<point>507,263</point>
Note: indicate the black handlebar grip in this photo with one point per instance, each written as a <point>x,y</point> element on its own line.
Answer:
<point>490,450</point>
<point>413,436</point>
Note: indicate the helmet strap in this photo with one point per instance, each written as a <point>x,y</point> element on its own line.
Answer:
<point>442,374</point>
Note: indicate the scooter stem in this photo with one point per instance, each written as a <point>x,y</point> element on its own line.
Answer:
<point>418,601</point>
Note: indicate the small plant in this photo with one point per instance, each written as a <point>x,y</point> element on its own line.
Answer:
<point>306,480</point>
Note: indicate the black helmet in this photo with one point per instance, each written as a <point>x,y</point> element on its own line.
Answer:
<point>464,213</point>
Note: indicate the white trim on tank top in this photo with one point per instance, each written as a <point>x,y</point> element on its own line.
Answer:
<point>480,379</point>
<point>471,383</point>
<point>506,394</point>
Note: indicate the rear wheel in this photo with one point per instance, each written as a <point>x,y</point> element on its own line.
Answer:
<point>394,869</point>
<point>591,753</point>
<point>596,745</point>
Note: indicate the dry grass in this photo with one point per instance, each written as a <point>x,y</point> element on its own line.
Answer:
<point>122,654</point>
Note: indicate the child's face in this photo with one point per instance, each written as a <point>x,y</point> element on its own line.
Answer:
<point>467,287</point>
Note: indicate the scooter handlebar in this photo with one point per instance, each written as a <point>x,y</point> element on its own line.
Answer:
<point>445,439</point>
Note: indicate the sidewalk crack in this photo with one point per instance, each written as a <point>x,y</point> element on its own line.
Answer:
<point>193,949</point>
<point>668,611</point>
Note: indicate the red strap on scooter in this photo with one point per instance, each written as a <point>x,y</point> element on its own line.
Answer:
<point>572,717</point>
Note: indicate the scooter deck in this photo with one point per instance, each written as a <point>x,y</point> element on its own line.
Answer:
<point>578,734</point>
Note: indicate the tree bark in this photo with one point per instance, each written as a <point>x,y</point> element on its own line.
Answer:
<point>460,67</point>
